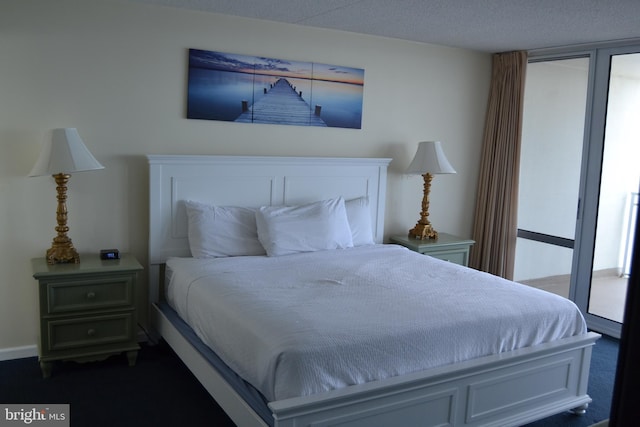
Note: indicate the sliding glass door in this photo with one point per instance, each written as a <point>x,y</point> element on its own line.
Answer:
<point>550,166</point>
<point>612,187</point>
<point>579,179</point>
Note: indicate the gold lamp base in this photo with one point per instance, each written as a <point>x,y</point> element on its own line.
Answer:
<point>62,253</point>
<point>62,250</point>
<point>423,232</point>
<point>423,229</point>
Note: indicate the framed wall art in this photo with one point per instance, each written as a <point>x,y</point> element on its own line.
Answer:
<point>254,89</point>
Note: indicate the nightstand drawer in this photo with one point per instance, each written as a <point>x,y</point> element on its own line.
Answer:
<point>64,334</point>
<point>455,257</point>
<point>446,247</point>
<point>78,295</point>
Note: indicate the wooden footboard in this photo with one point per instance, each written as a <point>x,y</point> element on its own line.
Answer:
<point>509,389</point>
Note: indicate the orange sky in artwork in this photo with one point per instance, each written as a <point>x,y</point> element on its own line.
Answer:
<point>283,68</point>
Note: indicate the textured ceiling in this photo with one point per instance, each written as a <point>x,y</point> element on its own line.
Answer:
<point>485,25</point>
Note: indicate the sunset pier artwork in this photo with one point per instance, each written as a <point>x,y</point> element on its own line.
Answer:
<point>281,104</point>
<point>255,89</point>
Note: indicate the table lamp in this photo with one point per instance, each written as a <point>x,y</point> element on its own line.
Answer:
<point>63,154</point>
<point>428,161</point>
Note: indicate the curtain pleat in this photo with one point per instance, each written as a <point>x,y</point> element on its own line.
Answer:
<point>495,221</point>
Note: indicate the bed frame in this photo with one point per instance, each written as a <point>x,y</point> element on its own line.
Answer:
<point>507,389</point>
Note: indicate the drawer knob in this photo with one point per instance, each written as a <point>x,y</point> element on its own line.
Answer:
<point>91,295</point>
<point>91,332</point>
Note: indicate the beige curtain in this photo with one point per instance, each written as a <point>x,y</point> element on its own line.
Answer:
<point>495,223</point>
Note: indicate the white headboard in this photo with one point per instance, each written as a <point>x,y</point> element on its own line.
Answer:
<point>251,181</point>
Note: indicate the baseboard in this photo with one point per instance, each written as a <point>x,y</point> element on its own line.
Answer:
<point>32,350</point>
<point>18,352</point>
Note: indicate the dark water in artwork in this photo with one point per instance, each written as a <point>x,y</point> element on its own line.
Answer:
<point>218,95</point>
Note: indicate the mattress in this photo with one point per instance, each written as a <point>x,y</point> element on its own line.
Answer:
<point>305,323</point>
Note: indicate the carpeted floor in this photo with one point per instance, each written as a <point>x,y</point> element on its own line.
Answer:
<point>160,391</point>
<point>601,378</point>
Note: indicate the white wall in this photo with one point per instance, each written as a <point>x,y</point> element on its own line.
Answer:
<point>117,72</point>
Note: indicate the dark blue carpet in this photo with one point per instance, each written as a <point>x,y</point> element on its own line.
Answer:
<point>601,378</point>
<point>160,391</point>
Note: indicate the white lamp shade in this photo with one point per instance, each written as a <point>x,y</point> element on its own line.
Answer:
<point>430,158</point>
<point>64,152</point>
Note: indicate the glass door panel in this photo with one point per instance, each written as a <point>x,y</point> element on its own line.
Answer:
<point>618,192</point>
<point>550,167</point>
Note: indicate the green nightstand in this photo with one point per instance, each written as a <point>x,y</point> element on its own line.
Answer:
<point>87,310</point>
<point>447,247</point>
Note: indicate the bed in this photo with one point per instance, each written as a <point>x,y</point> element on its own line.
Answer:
<point>516,376</point>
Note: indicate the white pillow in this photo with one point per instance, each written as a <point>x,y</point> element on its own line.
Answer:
<point>359,216</point>
<point>317,226</point>
<point>222,231</point>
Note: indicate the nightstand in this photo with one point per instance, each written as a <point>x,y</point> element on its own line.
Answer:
<point>447,247</point>
<point>87,310</point>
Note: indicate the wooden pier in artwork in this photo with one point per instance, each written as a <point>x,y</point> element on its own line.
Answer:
<point>282,105</point>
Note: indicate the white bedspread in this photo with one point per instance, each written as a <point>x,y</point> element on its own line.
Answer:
<point>305,323</point>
